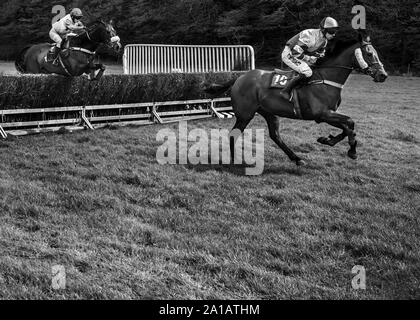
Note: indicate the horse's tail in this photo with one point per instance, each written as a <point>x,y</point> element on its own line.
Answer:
<point>20,60</point>
<point>217,89</point>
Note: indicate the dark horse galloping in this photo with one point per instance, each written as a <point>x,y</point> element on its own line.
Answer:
<point>77,57</point>
<point>319,98</point>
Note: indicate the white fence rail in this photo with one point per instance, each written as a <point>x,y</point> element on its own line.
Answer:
<point>92,117</point>
<point>152,58</point>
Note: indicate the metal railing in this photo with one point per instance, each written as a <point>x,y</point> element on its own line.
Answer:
<point>94,117</point>
<point>154,58</point>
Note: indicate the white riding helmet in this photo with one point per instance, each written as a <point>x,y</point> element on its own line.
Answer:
<point>329,23</point>
<point>76,13</point>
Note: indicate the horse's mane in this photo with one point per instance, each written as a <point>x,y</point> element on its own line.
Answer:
<point>95,23</point>
<point>335,48</point>
<point>91,26</point>
<point>339,46</point>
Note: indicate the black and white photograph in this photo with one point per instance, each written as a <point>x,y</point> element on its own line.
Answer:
<point>222,152</point>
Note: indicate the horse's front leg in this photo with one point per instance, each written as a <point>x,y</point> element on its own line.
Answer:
<point>333,140</point>
<point>95,71</point>
<point>344,122</point>
<point>273,127</point>
<point>101,68</point>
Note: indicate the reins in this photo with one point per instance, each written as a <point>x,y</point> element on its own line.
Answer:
<point>80,49</point>
<point>334,67</point>
<point>328,82</point>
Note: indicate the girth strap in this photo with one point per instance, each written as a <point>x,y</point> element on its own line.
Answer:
<point>64,67</point>
<point>296,105</point>
<point>82,50</point>
<point>60,59</point>
<point>327,82</point>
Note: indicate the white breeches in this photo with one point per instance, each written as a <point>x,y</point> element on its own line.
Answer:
<point>55,36</point>
<point>298,65</point>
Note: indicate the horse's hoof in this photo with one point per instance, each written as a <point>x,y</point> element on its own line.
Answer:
<point>322,140</point>
<point>326,141</point>
<point>352,155</point>
<point>300,163</point>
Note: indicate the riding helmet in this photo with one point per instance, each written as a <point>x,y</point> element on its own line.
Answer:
<point>76,13</point>
<point>329,23</point>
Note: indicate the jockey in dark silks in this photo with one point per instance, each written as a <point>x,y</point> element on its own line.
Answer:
<point>63,28</point>
<point>304,49</point>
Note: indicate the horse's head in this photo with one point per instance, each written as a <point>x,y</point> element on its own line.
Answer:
<point>104,33</point>
<point>115,40</point>
<point>368,59</point>
<point>354,54</point>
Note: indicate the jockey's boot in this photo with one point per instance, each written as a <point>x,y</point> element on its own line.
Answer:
<point>53,54</point>
<point>285,93</point>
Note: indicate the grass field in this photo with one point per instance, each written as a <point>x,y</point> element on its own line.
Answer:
<point>125,227</point>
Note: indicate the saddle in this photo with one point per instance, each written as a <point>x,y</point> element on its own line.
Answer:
<point>280,78</point>
<point>64,52</point>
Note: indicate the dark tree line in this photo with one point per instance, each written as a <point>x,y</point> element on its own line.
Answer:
<point>264,24</point>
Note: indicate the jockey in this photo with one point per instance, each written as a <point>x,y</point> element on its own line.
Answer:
<point>62,28</point>
<point>304,49</point>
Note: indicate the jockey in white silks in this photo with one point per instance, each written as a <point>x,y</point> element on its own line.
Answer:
<point>63,28</point>
<point>304,49</point>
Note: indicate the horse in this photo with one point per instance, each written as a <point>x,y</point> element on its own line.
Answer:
<point>77,56</point>
<point>317,99</point>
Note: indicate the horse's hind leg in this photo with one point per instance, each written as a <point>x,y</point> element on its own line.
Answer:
<point>273,127</point>
<point>240,125</point>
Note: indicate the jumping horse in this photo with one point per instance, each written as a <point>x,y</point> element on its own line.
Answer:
<point>77,56</point>
<point>317,99</point>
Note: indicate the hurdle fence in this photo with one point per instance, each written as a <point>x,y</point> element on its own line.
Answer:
<point>92,117</point>
<point>141,59</point>
<point>154,58</point>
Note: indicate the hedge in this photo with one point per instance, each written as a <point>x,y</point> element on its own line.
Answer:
<point>44,91</point>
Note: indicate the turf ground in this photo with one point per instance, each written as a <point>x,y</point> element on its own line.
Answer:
<point>123,226</point>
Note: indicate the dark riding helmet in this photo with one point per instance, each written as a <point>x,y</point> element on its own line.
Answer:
<point>76,13</point>
<point>329,25</point>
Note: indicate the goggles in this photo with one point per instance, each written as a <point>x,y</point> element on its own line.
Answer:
<point>331,31</point>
